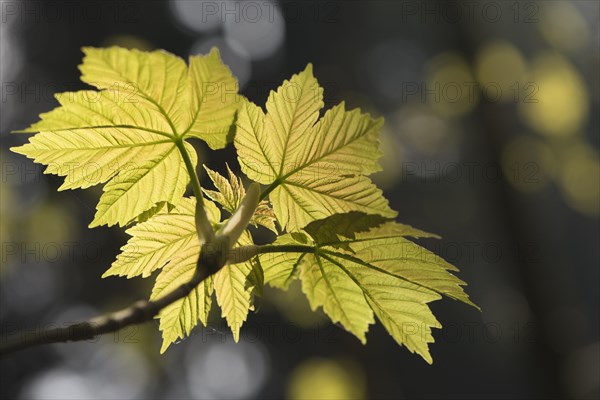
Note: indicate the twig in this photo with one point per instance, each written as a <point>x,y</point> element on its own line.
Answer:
<point>137,313</point>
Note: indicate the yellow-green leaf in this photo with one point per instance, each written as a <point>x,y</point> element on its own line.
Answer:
<point>354,268</point>
<point>160,239</point>
<point>157,78</point>
<point>126,134</point>
<point>400,305</point>
<point>168,241</point>
<point>215,98</point>
<point>281,268</point>
<point>332,230</point>
<point>328,286</point>
<point>316,168</point>
<point>179,318</point>
<point>230,194</point>
<point>160,177</point>
<point>235,286</point>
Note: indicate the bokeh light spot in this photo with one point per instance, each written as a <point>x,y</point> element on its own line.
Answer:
<point>580,178</point>
<point>258,26</point>
<point>451,90</point>
<point>557,103</point>
<point>200,16</point>
<point>528,163</point>
<point>327,379</point>
<point>563,26</point>
<point>227,370</point>
<point>500,69</point>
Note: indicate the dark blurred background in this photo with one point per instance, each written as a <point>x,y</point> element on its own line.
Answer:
<point>491,140</point>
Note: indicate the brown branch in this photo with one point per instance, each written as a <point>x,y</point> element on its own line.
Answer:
<point>139,312</point>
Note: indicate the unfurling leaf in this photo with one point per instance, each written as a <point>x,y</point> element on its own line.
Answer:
<point>230,194</point>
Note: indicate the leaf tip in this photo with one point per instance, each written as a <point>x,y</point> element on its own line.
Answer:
<point>18,149</point>
<point>87,49</point>
<point>165,345</point>
<point>469,302</point>
<point>214,52</point>
<point>427,357</point>
<point>107,273</point>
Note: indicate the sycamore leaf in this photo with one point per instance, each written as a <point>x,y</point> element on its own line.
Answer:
<point>131,136</point>
<point>330,230</point>
<point>160,239</point>
<point>215,99</point>
<point>126,134</point>
<point>327,285</point>
<point>179,318</point>
<point>280,269</point>
<point>168,241</point>
<point>400,305</point>
<point>316,167</point>
<point>235,287</point>
<point>231,192</point>
<point>358,270</point>
<point>143,217</point>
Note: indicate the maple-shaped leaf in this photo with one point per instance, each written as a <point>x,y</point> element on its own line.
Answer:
<point>360,271</point>
<point>231,192</point>
<point>130,134</point>
<point>316,167</point>
<point>280,268</point>
<point>160,239</point>
<point>168,241</point>
<point>179,318</point>
<point>235,287</point>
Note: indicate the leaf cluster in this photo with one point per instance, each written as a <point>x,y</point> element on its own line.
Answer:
<point>335,230</point>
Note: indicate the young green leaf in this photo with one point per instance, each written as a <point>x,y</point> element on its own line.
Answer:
<point>315,168</point>
<point>347,225</point>
<point>235,287</point>
<point>328,286</point>
<point>160,239</point>
<point>131,135</point>
<point>168,241</point>
<point>179,318</point>
<point>281,268</point>
<point>358,270</point>
<point>126,135</point>
<point>230,194</point>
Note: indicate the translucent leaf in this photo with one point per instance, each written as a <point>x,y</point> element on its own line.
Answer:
<point>235,286</point>
<point>179,318</point>
<point>330,230</point>
<point>215,98</point>
<point>168,241</point>
<point>400,305</point>
<point>316,167</point>
<point>126,134</point>
<point>160,239</point>
<point>280,269</point>
<point>231,192</point>
<point>328,286</point>
<point>361,268</point>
